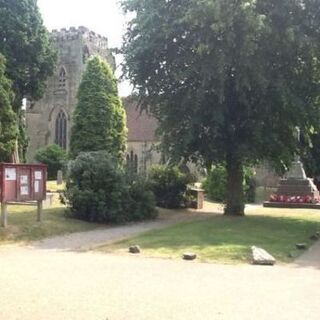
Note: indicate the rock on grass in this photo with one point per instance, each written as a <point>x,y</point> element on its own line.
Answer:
<point>262,257</point>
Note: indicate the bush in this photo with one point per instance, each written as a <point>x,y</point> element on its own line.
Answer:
<point>169,186</point>
<point>142,201</point>
<point>215,185</point>
<point>97,191</point>
<point>53,156</point>
<point>249,185</point>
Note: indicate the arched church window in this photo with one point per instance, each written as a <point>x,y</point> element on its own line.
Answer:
<point>61,130</point>
<point>132,163</point>
<point>62,77</point>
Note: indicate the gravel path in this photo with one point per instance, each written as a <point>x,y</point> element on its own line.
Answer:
<point>83,241</point>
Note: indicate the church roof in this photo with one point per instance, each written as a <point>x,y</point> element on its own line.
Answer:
<point>141,126</point>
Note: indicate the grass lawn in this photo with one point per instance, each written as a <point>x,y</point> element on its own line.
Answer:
<point>228,239</point>
<point>53,187</point>
<point>23,227</point>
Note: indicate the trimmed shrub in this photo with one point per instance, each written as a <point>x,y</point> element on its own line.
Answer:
<point>53,156</point>
<point>215,184</point>
<point>97,191</point>
<point>169,186</point>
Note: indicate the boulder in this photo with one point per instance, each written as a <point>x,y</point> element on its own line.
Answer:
<point>189,256</point>
<point>262,257</point>
<point>301,246</point>
<point>314,237</point>
<point>134,249</point>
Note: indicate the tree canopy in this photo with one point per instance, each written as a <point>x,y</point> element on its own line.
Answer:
<point>8,123</point>
<point>25,43</point>
<point>54,157</point>
<point>228,80</point>
<point>99,117</point>
<point>30,57</point>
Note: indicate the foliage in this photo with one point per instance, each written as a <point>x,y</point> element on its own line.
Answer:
<point>25,43</point>
<point>310,155</point>
<point>30,56</point>
<point>142,200</point>
<point>169,186</point>
<point>215,184</point>
<point>8,123</point>
<point>53,156</point>
<point>97,191</point>
<point>249,185</point>
<point>99,117</point>
<point>228,80</point>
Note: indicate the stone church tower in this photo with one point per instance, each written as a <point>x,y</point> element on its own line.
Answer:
<point>49,119</point>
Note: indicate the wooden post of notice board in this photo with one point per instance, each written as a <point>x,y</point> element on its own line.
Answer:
<point>4,220</point>
<point>39,210</point>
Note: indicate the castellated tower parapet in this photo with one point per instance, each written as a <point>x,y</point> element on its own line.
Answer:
<point>74,33</point>
<point>92,43</point>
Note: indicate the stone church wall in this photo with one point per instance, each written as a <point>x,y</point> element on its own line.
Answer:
<point>74,47</point>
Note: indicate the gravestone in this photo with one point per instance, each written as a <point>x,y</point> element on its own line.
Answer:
<point>59,177</point>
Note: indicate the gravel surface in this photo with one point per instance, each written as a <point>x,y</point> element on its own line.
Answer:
<point>53,285</point>
<point>55,279</point>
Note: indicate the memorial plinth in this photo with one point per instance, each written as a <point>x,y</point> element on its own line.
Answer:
<point>295,191</point>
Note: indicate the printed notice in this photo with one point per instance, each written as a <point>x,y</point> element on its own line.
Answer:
<point>10,174</point>
<point>38,175</point>
<point>36,186</point>
<point>24,190</point>
<point>23,179</point>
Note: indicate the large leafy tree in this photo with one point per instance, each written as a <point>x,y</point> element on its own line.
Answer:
<point>25,43</point>
<point>30,57</point>
<point>99,117</point>
<point>229,80</point>
<point>8,123</point>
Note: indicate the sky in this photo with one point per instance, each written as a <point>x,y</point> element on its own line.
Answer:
<point>101,16</point>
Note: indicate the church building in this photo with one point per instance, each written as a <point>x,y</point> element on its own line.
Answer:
<point>49,120</point>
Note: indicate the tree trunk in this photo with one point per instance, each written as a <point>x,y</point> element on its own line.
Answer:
<point>234,197</point>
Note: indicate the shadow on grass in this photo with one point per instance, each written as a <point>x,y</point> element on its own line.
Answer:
<point>229,239</point>
<point>23,226</point>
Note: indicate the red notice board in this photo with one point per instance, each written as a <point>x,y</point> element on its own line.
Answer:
<point>22,182</point>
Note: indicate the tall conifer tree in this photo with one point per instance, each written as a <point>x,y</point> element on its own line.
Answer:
<point>99,117</point>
